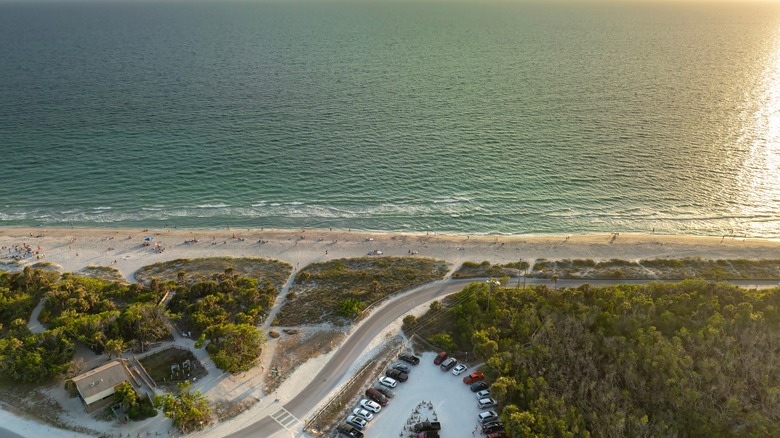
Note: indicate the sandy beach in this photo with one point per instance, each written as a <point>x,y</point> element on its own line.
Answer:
<point>75,248</point>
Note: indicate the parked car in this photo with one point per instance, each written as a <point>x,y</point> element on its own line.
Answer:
<point>487,417</point>
<point>402,368</point>
<point>473,377</point>
<point>482,394</point>
<point>370,405</point>
<point>501,434</point>
<point>388,381</point>
<point>349,430</point>
<point>486,403</point>
<point>410,358</point>
<point>459,369</point>
<point>448,364</point>
<point>493,426</point>
<point>440,358</point>
<point>479,386</point>
<point>427,426</point>
<point>362,413</point>
<point>377,396</point>
<point>397,375</point>
<point>359,423</point>
<point>384,390</point>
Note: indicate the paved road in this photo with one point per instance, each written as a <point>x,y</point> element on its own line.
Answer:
<point>337,367</point>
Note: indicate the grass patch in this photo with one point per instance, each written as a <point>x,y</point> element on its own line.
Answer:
<point>338,290</point>
<point>485,269</point>
<point>158,365</point>
<point>105,273</point>
<point>205,269</point>
<point>661,269</point>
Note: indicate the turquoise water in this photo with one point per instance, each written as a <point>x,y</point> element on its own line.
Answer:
<point>453,117</point>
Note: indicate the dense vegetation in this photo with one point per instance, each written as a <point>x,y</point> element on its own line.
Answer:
<point>226,312</point>
<point>96,312</point>
<point>112,316</point>
<point>338,290</point>
<point>485,269</point>
<point>188,410</point>
<point>666,269</point>
<point>137,408</point>
<point>688,359</point>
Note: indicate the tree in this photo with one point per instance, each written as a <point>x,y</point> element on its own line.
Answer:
<point>115,347</point>
<point>442,340</point>
<point>126,395</point>
<point>145,323</point>
<point>188,410</point>
<point>409,321</point>
<point>235,347</point>
<point>350,308</point>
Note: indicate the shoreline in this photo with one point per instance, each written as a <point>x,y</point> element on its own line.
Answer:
<point>452,234</point>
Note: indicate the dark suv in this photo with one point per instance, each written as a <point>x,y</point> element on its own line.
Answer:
<point>479,386</point>
<point>402,368</point>
<point>409,358</point>
<point>349,430</point>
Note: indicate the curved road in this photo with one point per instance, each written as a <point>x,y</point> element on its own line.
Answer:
<point>335,370</point>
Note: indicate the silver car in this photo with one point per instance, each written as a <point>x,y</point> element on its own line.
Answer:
<point>356,422</point>
<point>364,414</point>
<point>486,403</point>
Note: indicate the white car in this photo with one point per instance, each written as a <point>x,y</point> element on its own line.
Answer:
<point>483,394</point>
<point>370,405</point>
<point>364,414</point>
<point>388,381</point>
<point>459,368</point>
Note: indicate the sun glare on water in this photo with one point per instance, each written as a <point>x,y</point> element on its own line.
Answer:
<point>760,176</point>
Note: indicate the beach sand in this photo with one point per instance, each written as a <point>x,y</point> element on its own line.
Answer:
<point>76,248</point>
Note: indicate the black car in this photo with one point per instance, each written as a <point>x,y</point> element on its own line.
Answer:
<point>479,386</point>
<point>493,426</point>
<point>410,358</point>
<point>402,368</point>
<point>349,430</point>
<point>397,375</point>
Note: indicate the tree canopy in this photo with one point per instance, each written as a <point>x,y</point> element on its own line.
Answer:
<point>188,410</point>
<point>690,359</point>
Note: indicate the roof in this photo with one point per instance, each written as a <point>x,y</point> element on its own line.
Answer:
<point>96,384</point>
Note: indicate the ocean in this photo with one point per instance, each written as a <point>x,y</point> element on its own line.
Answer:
<point>455,117</point>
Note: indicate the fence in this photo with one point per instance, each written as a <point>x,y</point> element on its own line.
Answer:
<point>344,388</point>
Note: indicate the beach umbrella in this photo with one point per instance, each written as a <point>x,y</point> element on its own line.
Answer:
<point>149,239</point>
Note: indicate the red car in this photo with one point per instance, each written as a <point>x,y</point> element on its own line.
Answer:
<point>473,377</point>
<point>440,358</point>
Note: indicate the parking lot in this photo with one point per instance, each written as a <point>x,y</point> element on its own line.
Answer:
<point>453,402</point>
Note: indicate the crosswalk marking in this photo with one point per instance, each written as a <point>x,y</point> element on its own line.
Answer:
<point>285,418</point>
